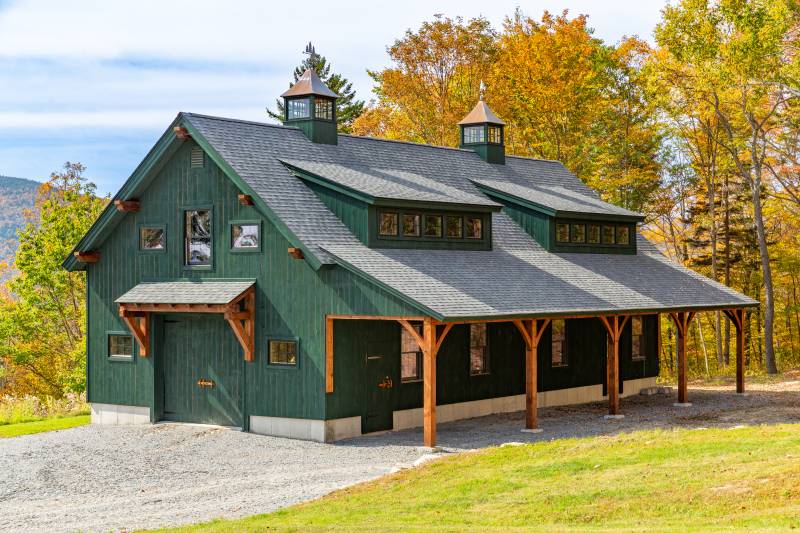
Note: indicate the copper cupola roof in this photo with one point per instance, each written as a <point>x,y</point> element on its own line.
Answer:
<point>481,114</point>
<point>309,83</point>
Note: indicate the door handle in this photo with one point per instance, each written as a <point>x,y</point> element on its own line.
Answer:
<point>205,383</point>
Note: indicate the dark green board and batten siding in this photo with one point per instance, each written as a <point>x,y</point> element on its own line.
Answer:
<point>292,298</point>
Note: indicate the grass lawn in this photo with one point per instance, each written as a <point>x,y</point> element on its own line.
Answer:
<point>40,426</point>
<point>704,479</point>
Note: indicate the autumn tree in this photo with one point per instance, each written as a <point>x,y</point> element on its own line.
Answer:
<point>434,82</point>
<point>42,319</point>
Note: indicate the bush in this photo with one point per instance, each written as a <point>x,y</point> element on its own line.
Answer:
<point>15,410</point>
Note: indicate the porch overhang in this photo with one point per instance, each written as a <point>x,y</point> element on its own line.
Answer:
<point>234,299</point>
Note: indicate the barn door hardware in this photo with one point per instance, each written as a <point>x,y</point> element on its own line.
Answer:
<point>386,383</point>
<point>205,383</point>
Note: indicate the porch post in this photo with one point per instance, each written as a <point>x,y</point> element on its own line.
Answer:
<point>531,384</point>
<point>682,320</point>
<point>429,382</point>
<point>614,326</point>
<point>737,317</point>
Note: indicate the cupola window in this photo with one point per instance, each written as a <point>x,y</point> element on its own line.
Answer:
<point>298,109</point>
<point>323,109</point>
<point>495,135</point>
<point>473,134</point>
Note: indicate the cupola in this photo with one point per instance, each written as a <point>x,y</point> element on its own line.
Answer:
<point>311,106</point>
<point>482,132</point>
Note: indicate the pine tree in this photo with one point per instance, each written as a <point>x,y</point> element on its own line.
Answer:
<point>347,106</point>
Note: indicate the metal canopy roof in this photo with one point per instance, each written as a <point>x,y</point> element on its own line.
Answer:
<point>309,83</point>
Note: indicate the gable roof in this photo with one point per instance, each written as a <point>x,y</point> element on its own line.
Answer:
<point>517,277</point>
<point>208,291</point>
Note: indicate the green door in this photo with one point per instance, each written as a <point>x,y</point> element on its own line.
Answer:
<point>380,385</point>
<point>203,370</point>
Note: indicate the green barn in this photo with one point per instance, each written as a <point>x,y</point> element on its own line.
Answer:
<point>292,281</point>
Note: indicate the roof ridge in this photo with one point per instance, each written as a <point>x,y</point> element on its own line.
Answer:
<point>240,121</point>
<point>397,141</point>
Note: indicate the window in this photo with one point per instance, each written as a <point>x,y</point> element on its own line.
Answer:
<point>411,225</point>
<point>562,232</point>
<point>433,225</point>
<point>455,228</point>
<point>120,346</point>
<point>578,233</point>
<point>623,236</point>
<point>282,352</point>
<point>478,360</point>
<point>388,224</point>
<point>495,135</point>
<point>474,134</point>
<point>558,342</point>
<point>410,355</point>
<point>323,109</point>
<point>198,237</point>
<point>608,234</point>
<point>474,228</point>
<point>245,236</point>
<point>152,238</point>
<point>298,109</point>
<point>594,234</point>
<point>637,339</point>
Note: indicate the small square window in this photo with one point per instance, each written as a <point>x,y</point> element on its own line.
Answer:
<point>282,352</point>
<point>623,235</point>
<point>120,346</point>
<point>152,238</point>
<point>593,234</point>
<point>495,135</point>
<point>410,355</point>
<point>558,342</point>
<point>478,357</point>
<point>411,225</point>
<point>474,228</point>
<point>562,232</point>
<point>578,233</point>
<point>388,224</point>
<point>433,225</point>
<point>245,236</point>
<point>455,228</point>
<point>608,234</point>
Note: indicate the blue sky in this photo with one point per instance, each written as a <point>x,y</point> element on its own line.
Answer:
<point>99,81</point>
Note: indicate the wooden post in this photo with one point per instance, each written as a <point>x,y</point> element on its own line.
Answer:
<point>531,331</point>
<point>429,381</point>
<point>614,326</point>
<point>737,317</point>
<point>682,320</point>
<point>328,355</point>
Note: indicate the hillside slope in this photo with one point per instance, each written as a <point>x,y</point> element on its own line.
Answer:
<point>16,195</point>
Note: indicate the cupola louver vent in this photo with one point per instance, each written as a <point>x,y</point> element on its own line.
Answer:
<point>198,157</point>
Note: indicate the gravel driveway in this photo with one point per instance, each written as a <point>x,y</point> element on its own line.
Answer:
<point>101,478</point>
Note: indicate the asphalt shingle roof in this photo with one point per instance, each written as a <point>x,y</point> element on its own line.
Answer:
<point>186,292</point>
<point>517,277</point>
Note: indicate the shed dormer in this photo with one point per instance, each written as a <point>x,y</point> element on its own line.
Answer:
<point>482,132</point>
<point>311,106</point>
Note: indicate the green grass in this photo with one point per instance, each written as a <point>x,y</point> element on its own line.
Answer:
<point>676,480</point>
<point>40,426</point>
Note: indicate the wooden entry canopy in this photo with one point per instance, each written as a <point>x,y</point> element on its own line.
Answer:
<point>235,300</point>
<point>434,333</point>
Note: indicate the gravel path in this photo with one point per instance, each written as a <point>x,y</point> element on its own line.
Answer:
<point>101,478</point>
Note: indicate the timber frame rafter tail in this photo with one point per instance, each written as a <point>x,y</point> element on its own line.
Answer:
<point>239,313</point>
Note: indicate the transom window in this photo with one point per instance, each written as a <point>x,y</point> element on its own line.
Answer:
<point>298,109</point>
<point>411,225</point>
<point>474,134</point>
<point>323,109</point>
<point>282,352</point>
<point>433,225</point>
<point>478,356</point>
<point>558,342</point>
<point>120,346</point>
<point>410,355</point>
<point>152,238</point>
<point>637,339</point>
<point>198,237</point>
<point>388,224</point>
<point>245,236</point>
<point>455,228</point>
<point>495,135</point>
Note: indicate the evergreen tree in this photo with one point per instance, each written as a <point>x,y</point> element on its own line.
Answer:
<point>348,108</point>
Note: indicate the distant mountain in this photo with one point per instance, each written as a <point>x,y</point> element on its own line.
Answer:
<point>16,195</point>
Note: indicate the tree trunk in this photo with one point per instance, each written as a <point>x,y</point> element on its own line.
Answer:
<point>726,356</point>
<point>766,269</point>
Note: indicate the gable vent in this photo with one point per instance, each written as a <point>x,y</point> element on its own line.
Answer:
<point>198,157</point>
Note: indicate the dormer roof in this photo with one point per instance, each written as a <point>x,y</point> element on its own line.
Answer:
<point>309,83</point>
<point>481,114</point>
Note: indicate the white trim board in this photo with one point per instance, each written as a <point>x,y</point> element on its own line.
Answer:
<point>112,414</point>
